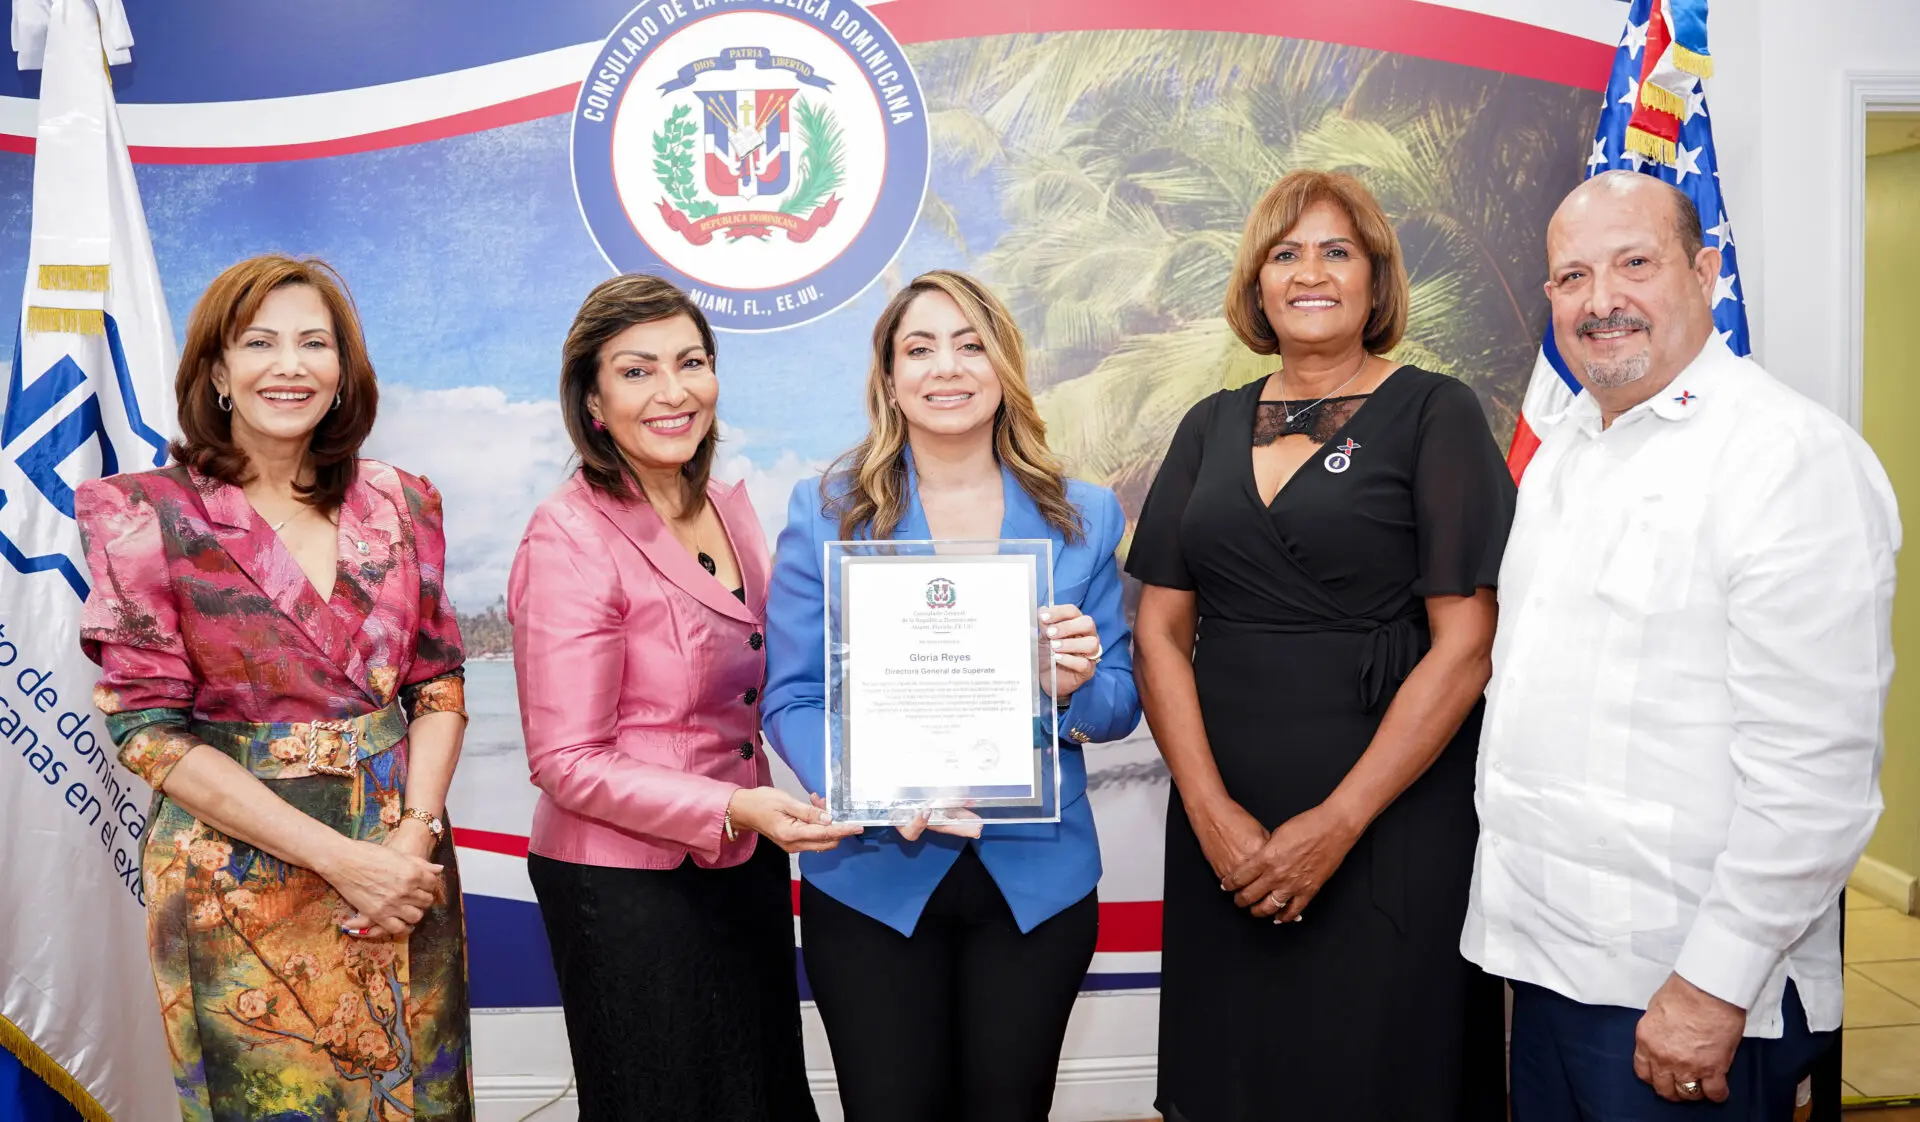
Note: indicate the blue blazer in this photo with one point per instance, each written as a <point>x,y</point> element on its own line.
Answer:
<point>1041,868</point>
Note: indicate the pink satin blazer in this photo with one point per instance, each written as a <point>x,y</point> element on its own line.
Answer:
<point>640,679</point>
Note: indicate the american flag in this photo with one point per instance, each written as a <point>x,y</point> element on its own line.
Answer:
<point>1646,51</point>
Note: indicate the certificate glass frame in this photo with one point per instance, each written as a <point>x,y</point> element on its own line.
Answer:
<point>934,694</point>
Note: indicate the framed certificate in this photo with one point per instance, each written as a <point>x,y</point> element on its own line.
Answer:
<point>935,698</point>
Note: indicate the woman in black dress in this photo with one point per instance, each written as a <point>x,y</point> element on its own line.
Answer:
<point>1319,550</point>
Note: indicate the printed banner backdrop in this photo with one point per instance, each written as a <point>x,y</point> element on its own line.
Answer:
<point>473,168</point>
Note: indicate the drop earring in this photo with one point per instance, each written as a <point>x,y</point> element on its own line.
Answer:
<point>224,402</point>
<point>336,401</point>
<point>599,425</point>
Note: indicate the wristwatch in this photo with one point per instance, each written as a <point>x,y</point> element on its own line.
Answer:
<point>434,824</point>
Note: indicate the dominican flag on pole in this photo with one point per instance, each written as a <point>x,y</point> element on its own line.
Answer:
<point>1654,120</point>
<point>88,393</point>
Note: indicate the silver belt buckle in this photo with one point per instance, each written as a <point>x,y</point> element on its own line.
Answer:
<point>341,729</point>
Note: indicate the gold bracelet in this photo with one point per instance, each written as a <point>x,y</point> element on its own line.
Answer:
<point>726,824</point>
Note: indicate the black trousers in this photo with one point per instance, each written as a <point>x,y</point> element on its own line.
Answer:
<point>963,1020</point>
<point>681,1000</point>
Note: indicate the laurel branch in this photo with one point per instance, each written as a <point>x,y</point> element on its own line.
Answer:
<point>673,148</point>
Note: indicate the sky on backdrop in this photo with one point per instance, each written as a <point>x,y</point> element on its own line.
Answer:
<point>467,258</point>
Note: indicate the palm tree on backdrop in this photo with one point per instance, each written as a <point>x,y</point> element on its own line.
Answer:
<point>1128,161</point>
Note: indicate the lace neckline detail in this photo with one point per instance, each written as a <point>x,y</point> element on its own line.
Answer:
<point>1316,420</point>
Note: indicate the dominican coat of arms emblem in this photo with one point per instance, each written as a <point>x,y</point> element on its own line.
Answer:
<point>768,156</point>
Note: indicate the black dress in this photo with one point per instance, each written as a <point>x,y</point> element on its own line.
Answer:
<point>1311,615</point>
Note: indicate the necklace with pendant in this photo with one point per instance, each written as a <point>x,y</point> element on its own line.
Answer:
<point>1299,422</point>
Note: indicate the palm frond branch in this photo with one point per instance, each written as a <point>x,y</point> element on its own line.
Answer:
<point>822,165</point>
<point>940,216</point>
<point>1111,425</point>
<point>963,133</point>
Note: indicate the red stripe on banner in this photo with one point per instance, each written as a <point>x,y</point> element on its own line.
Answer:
<point>510,844</point>
<point>1525,444</point>
<point>1129,925</point>
<point>1125,926</point>
<point>530,108</point>
<point>1406,27</point>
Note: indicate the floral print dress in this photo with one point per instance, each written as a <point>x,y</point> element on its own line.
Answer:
<point>207,631</point>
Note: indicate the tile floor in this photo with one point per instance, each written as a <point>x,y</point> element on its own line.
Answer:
<point>1880,1057</point>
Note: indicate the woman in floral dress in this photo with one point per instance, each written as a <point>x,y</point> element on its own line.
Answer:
<point>279,662</point>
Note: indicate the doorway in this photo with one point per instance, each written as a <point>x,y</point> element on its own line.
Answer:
<point>1881,1046</point>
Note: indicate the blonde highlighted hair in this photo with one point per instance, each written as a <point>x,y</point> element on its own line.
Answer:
<point>868,488</point>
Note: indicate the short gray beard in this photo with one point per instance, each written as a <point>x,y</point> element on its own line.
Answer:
<point>1613,375</point>
<point>1625,372</point>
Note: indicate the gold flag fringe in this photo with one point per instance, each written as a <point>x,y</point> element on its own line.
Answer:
<point>73,278</point>
<point>67,321</point>
<point>1652,147</point>
<point>55,1076</point>
<point>1665,100</point>
<point>1691,62</point>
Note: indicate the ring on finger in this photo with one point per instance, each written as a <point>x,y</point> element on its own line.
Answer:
<point>1690,1088</point>
<point>1279,905</point>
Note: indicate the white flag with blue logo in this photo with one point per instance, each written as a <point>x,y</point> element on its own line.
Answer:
<point>88,393</point>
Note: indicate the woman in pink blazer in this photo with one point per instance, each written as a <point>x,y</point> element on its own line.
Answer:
<point>637,600</point>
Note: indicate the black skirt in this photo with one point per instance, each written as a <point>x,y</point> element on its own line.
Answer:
<point>679,989</point>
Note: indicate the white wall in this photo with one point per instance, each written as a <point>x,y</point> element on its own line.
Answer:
<point>1781,123</point>
<point>1733,99</point>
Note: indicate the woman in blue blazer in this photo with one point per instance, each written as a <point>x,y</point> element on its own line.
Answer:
<point>945,959</point>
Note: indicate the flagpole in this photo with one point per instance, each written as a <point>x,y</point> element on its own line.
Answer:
<point>89,394</point>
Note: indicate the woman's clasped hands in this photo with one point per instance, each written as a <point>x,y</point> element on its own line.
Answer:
<point>1282,877</point>
<point>390,887</point>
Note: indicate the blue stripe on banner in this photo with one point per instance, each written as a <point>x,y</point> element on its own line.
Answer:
<point>230,50</point>
<point>510,967</point>
<point>24,1097</point>
<point>508,963</point>
<point>1101,983</point>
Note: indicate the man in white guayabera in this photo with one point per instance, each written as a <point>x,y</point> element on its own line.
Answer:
<point>1682,749</point>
